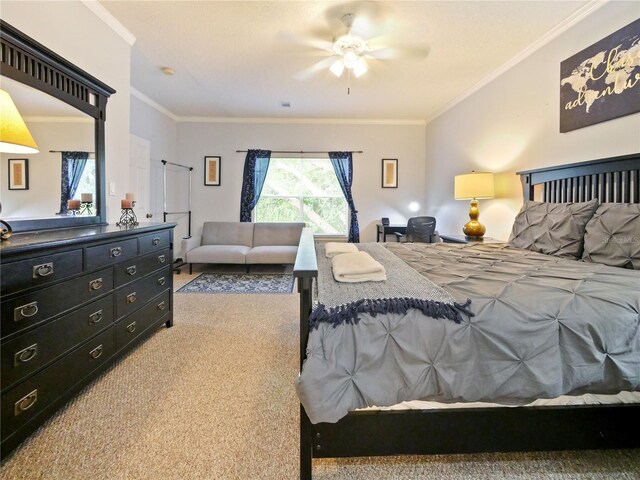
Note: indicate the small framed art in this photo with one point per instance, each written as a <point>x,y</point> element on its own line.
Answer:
<point>212,171</point>
<point>18,174</point>
<point>389,173</point>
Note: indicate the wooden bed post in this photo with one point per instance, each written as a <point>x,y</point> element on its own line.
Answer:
<point>305,269</point>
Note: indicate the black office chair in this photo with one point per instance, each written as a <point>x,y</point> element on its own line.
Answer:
<point>420,229</point>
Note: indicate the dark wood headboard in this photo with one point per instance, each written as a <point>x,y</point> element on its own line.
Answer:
<point>615,179</point>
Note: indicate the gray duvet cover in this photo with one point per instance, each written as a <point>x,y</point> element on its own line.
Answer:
<point>543,327</point>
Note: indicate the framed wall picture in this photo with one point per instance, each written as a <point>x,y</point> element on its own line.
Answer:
<point>212,171</point>
<point>18,174</point>
<point>389,173</point>
<point>600,83</point>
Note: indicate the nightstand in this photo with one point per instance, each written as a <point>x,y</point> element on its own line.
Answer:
<point>464,239</point>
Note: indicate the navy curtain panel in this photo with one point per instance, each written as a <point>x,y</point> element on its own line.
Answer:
<point>343,166</point>
<point>73,164</point>
<point>256,165</point>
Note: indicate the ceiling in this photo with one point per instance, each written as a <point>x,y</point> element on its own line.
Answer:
<point>231,59</point>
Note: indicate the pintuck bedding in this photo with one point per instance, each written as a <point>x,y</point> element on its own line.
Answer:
<point>541,326</point>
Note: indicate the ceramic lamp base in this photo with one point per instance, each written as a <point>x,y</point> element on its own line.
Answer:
<point>473,228</point>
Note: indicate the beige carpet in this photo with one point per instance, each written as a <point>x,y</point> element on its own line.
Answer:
<point>213,398</point>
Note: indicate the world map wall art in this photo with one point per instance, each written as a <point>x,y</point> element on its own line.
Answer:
<point>601,82</point>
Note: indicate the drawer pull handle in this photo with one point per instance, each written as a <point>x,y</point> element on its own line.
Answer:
<point>161,306</point>
<point>116,251</point>
<point>156,241</point>
<point>43,270</point>
<point>96,352</point>
<point>131,327</point>
<point>25,403</point>
<point>95,317</point>
<point>161,258</point>
<point>132,297</point>
<point>26,354</point>
<point>95,284</point>
<point>25,311</point>
<point>161,281</point>
<point>131,270</point>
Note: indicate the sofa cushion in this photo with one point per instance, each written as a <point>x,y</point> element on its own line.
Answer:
<point>217,254</point>
<point>227,233</point>
<point>277,234</point>
<point>272,254</point>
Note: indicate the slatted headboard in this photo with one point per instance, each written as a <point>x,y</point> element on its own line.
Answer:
<point>615,179</point>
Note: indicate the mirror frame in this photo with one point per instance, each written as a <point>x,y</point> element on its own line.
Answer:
<point>27,61</point>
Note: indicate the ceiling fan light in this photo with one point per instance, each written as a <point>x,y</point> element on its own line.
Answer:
<point>350,58</point>
<point>337,68</point>
<point>359,69</point>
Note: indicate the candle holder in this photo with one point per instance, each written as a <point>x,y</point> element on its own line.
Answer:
<point>73,211</point>
<point>127,218</point>
<point>86,208</point>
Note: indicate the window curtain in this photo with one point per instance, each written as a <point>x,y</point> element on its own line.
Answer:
<point>73,164</point>
<point>256,165</point>
<point>343,166</point>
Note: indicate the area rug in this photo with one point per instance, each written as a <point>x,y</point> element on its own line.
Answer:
<point>239,283</point>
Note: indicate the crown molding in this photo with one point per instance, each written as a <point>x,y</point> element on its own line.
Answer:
<point>53,119</point>
<point>153,104</point>
<point>562,27</point>
<point>306,121</point>
<point>112,22</point>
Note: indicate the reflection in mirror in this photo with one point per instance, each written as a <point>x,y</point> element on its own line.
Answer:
<point>35,186</point>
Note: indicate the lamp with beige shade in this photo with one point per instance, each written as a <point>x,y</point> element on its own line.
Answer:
<point>472,186</point>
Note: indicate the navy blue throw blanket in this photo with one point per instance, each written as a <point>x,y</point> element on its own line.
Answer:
<point>349,313</point>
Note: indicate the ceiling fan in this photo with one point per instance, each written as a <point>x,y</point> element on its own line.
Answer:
<point>353,51</point>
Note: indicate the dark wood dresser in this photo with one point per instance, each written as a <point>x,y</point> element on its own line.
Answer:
<point>73,301</point>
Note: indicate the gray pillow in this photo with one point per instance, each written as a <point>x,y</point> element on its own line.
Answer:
<point>612,236</point>
<point>552,228</point>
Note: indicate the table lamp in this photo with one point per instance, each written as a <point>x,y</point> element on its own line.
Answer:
<point>14,134</point>
<point>472,186</point>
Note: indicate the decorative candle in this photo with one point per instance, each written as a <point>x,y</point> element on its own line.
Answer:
<point>73,204</point>
<point>87,197</point>
<point>126,203</point>
<point>130,196</point>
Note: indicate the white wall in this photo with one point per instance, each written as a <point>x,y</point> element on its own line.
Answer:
<point>71,30</point>
<point>404,142</point>
<point>42,200</point>
<point>512,124</point>
<point>162,134</point>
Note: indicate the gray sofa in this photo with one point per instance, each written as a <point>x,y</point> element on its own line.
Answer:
<point>243,243</point>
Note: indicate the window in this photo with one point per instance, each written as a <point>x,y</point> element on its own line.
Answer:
<point>303,190</point>
<point>87,182</point>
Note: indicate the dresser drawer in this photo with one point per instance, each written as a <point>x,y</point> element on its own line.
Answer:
<point>139,267</point>
<point>32,308</point>
<point>34,272</point>
<point>155,242</point>
<point>134,295</point>
<point>130,327</point>
<point>24,402</point>
<point>32,350</point>
<point>111,253</point>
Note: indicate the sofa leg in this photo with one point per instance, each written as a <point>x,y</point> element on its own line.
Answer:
<point>190,268</point>
<point>246,268</point>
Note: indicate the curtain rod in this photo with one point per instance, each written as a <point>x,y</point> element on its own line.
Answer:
<point>299,151</point>
<point>60,151</point>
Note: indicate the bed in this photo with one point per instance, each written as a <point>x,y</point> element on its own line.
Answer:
<point>496,428</point>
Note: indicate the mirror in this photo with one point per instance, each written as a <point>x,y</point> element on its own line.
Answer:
<point>32,185</point>
<point>64,108</point>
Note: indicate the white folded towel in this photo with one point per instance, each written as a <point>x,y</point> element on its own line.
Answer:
<point>357,267</point>
<point>331,249</point>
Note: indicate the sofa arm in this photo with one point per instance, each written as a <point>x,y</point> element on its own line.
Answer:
<point>188,244</point>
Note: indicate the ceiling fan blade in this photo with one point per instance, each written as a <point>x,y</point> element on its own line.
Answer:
<point>416,52</point>
<point>306,41</point>
<point>315,68</point>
